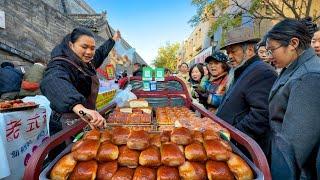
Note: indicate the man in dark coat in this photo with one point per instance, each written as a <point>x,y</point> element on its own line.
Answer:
<point>10,81</point>
<point>245,104</point>
<point>137,69</point>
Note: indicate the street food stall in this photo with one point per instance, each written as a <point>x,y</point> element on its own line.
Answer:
<point>163,121</point>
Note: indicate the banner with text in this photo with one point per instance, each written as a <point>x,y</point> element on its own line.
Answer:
<point>22,132</point>
<point>203,55</point>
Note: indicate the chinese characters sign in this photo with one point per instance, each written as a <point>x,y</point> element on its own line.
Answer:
<point>22,132</point>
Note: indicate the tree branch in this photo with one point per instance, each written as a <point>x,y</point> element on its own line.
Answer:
<point>254,14</point>
<point>276,9</point>
<point>308,8</point>
<point>292,9</point>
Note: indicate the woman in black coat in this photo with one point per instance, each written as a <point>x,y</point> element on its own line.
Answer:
<point>70,82</point>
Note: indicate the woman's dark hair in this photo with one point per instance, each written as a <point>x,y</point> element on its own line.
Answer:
<point>40,60</point>
<point>203,65</point>
<point>167,70</point>
<point>261,43</point>
<point>288,28</point>
<point>183,64</point>
<point>74,36</point>
<point>77,32</point>
<point>200,67</point>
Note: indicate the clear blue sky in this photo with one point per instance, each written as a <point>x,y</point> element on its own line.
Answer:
<point>148,24</point>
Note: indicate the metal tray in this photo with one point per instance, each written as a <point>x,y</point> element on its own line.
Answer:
<point>19,108</point>
<point>146,127</point>
<point>125,123</point>
<point>258,175</point>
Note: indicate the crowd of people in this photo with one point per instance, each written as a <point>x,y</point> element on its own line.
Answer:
<point>268,88</point>
<point>16,83</point>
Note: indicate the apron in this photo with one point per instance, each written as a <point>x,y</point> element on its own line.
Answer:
<point>63,120</point>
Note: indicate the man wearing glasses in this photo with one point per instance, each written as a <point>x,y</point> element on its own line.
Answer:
<point>245,104</point>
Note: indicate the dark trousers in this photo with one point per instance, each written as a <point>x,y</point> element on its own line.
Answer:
<point>55,126</point>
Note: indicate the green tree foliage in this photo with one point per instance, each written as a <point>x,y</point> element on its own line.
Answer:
<point>167,56</point>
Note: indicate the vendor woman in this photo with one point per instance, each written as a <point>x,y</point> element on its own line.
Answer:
<point>70,81</point>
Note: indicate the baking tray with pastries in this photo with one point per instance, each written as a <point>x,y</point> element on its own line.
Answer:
<point>16,105</point>
<point>129,118</point>
<point>168,115</point>
<point>138,112</point>
<point>202,124</point>
<point>121,153</point>
<point>145,127</point>
<point>165,127</point>
<point>136,117</point>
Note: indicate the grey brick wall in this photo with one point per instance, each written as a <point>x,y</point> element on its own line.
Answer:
<point>33,28</point>
<point>71,6</point>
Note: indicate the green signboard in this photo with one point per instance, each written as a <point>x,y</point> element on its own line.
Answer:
<point>146,85</point>
<point>147,74</point>
<point>159,74</point>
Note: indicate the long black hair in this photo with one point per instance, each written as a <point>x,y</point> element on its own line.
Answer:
<point>200,67</point>
<point>289,28</point>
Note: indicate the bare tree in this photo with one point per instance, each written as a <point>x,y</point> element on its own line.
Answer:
<point>226,12</point>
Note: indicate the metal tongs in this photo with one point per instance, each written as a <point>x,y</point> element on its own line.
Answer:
<point>87,118</point>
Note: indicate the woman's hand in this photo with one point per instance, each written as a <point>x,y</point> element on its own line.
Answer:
<point>92,117</point>
<point>221,90</point>
<point>116,36</point>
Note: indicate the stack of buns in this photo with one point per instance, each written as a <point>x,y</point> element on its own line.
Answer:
<point>130,154</point>
<point>168,115</point>
<point>201,124</point>
<point>138,112</point>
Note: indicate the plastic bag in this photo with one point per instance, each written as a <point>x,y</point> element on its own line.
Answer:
<point>122,51</point>
<point>124,96</point>
<point>119,48</point>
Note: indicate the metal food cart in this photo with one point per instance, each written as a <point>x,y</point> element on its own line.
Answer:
<point>171,92</point>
